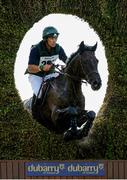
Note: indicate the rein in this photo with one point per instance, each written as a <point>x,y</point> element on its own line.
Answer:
<point>70,76</point>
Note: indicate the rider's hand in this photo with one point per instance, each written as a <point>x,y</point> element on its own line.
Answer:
<point>47,67</point>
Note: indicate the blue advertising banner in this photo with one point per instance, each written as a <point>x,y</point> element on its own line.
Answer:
<point>64,169</point>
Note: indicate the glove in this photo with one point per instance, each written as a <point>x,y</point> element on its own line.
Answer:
<point>41,67</point>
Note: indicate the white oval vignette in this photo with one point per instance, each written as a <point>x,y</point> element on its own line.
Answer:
<point>72,31</point>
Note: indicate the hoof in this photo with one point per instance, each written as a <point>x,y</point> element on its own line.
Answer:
<point>84,129</point>
<point>91,115</point>
<point>70,135</point>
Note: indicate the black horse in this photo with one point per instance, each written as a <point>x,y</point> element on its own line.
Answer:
<point>63,110</point>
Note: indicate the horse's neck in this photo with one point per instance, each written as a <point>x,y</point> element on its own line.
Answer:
<point>73,68</point>
<point>73,87</point>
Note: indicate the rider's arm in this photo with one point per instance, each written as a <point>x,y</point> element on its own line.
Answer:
<point>34,58</point>
<point>33,64</point>
<point>33,68</point>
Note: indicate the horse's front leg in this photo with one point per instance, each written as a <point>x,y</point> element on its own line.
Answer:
<point>64,118</point>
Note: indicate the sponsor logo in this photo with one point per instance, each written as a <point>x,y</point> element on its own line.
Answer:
<point>64,169</point>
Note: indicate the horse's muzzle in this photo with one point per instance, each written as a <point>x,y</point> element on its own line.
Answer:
<point>96,85</point>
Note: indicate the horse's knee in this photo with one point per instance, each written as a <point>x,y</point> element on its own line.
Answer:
<point>56,115</point>
<point>72,111</point>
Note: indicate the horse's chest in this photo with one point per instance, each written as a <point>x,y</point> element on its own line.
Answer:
<point>65,101</point>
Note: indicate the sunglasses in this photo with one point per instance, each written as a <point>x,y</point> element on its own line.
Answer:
<point>53,36</point>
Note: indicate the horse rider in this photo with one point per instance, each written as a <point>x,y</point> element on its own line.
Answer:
<point>42,57</point>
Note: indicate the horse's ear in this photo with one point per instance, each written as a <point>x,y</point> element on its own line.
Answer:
<point>94,47</point>
<point>81,46</point>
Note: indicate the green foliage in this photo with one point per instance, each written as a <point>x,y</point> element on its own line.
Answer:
<point>22,137</point>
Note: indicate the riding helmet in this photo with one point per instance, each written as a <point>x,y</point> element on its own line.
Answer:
<point>49,31</point>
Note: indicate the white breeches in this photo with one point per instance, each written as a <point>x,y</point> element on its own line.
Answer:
<point>35,82</point>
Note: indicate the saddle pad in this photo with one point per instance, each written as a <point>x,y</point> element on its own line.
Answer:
<point>52,75</point>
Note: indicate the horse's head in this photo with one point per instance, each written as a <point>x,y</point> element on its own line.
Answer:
<point>89,65</point>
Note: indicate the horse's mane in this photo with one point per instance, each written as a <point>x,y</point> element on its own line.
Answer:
<point>81,49</point>
<point>73,55</point>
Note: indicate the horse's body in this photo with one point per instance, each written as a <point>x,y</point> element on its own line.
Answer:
<point>57,101</point>
<point>65,103</point>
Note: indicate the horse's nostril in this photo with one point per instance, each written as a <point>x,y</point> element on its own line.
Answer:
<point>95,83</point>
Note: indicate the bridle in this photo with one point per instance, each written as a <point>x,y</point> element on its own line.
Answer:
<point>75,77</point>
<point>88,74</point>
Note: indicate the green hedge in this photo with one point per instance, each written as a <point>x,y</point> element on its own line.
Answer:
<point>22,137</point>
